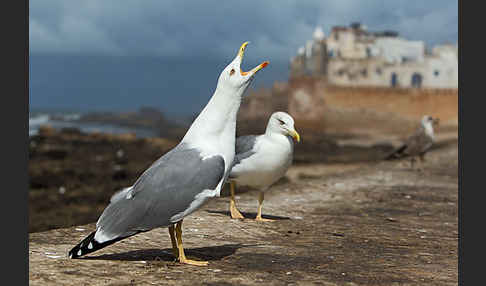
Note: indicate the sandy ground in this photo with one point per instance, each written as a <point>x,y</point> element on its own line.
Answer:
<point>336,224</point>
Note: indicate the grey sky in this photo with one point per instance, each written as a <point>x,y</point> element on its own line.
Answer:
<point>124,54</point>
<point>211,28</point>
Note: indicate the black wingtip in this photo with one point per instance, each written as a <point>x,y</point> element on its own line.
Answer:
<point>87,245</point>
<point>396,154</point>
<point>391,156</point>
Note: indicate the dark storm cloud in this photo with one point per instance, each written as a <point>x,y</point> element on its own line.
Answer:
<point>214,28</point>
<point>121,55</point>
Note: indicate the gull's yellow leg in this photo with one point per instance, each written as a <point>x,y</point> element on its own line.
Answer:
<point>412,161</point>
<point>422,162</point>
<point>175,250</point>
<point>235,213</point>
<point>261,196</point>
<point>182,256</point>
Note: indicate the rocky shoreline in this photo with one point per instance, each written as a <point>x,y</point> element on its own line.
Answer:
<point>72,175</point>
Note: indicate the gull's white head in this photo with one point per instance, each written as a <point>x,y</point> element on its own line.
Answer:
<point>282,123</point>
<point>233,79</point>
<point>429,121</point>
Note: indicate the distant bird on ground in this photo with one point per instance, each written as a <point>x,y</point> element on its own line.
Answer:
<point>263,159</point>
<point>419,143</point>
<point>183,179</point>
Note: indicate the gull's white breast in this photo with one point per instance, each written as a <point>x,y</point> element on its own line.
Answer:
<point>271,160</point>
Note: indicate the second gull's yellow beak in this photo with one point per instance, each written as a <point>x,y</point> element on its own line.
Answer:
<point>294,135</point>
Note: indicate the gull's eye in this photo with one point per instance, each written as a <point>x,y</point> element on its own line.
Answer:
<point>232,71</point>
<point>281,122</point>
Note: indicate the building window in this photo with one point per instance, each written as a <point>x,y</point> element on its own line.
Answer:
<point>378,70</point>
<point>436,72</point>
<point>368,52</point>
<point>416,80</point>
<point>394,80</point>
<point>364,72</point>
<point>331,53</point>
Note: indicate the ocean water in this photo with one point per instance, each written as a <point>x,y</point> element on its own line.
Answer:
<point>71,120</point>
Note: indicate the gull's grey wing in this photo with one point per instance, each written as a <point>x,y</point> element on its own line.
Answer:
<point>245,143</point>
<point>415,145</point>
<point>164,190</point>
<point>244,148</point>
<point>419,143</point>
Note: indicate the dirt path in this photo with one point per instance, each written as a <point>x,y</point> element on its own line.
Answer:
<point>366,224</point>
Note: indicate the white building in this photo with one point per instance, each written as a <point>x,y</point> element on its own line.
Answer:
<point>398,50</point>
<point>353,56</point>
<point>431,72</point>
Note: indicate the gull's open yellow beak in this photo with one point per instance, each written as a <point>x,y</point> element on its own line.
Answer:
<point>257,68</point>
<point>294,135</point>
<point>241,53</point>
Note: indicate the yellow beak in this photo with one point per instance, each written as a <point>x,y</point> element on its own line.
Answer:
<point>294,135</point>
<point>241,53</point>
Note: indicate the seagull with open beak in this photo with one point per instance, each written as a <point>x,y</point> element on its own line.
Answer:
<point>182,180</point>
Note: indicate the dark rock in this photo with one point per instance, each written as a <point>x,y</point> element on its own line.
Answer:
<point>56,154</point>
<point>71,130</point>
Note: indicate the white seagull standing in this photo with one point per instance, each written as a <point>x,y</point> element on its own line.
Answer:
<point>183,179</point>
<point>418,143</point>
<point>261,160</point>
